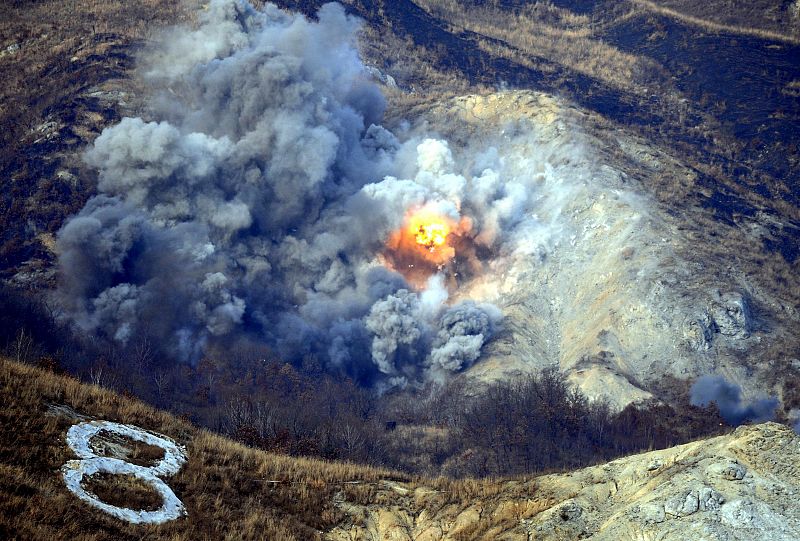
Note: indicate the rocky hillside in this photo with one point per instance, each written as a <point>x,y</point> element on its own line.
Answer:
<point>674,252</point>
<point>741,486</point>
<point>631,283</point>
<point>738,486</point>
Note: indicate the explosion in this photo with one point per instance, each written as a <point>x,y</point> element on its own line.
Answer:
<point>432,235</point>
<point>424,245</point>
<point>429,231</point>
<point>250,208</point>
<point>429,242</point>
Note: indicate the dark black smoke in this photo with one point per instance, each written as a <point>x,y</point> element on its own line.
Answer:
<point>728,398</point>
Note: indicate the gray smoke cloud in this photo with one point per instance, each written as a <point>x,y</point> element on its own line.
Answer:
<point>404,324</point>
<point>728,398</point>
<point>395,324</point>
<point>253,202</point>
<point>256,199</point>
<point>462,331</point>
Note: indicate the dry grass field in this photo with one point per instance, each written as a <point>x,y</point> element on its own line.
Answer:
<point>544,31</point>
<point>766,19</point>
<point>230,491</point>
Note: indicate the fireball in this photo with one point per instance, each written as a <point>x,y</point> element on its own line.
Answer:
<point>426,233</point>
<point>423,245</point>
<point>430,234</point>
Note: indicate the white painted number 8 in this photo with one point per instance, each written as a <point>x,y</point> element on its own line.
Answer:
<point>78,437</point>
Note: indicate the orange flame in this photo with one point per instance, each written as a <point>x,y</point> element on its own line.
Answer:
<point>422,246</point>
<point>428,234</point>
<point>426,243</point>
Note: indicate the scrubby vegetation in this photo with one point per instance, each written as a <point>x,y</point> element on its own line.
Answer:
<point>249,394</point>
<point>763,18</point>
<point>533,424</point>
<point>230,491</point>
<point>544,31</point>
<point>53,61</point>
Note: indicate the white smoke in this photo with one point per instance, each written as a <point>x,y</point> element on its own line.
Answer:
<point>256,203</point>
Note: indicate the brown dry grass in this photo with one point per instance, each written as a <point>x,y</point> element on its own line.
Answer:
<point>123,491</point>
<point>765,19</point>
<point>230,491</point>
<point>543,31</point>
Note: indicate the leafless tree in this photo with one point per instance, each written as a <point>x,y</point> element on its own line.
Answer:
<point>96,374</point>
<point>161,379</point>
<point>22,347</point>
<point>142,352</point>
<point>351,441</point>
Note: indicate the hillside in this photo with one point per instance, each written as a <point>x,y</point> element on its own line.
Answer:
<point>626,242</point>
<point>708,243</point>
<point>729,487</point>
<point>230,491</point>
<point>469,239</point>
<point>726,102</point>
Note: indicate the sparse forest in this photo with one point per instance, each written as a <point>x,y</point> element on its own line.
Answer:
<point>247,393</point>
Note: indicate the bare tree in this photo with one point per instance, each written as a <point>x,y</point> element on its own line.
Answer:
<point>22,347</point>
<point>96,374</point>
<point>142,352</point>
<point>101,374</point>
<point>161,379</point>
<point>351,441</point>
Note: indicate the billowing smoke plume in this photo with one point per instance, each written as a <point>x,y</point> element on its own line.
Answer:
<point>728,398</point>
<point>256,201</point>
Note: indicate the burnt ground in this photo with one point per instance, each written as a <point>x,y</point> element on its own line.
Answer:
<point>739,127</point>
<point>67,71</point>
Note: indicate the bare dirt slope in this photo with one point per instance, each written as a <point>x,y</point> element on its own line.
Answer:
<point>626,285</point>
<point>731,487</point>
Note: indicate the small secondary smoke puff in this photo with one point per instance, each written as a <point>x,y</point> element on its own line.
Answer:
<point>728,398</point>
<point>256,203</point>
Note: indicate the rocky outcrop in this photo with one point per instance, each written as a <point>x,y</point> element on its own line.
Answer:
<point>731,315</point>
<point>741,486</point>
<point>619,294</point>
<point>727,314</point>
